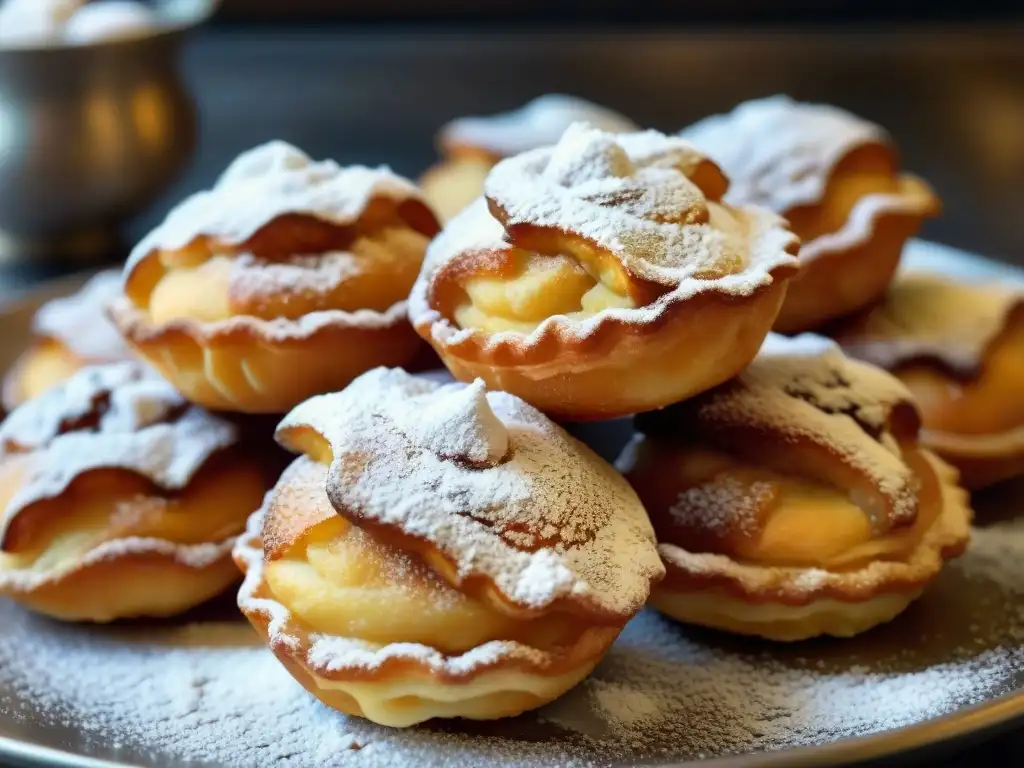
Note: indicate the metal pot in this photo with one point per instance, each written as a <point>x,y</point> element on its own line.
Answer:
<point>89,135</point>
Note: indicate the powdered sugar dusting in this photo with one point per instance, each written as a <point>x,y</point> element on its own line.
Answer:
<point>779,153</point>
<point>580,533</point>
<point>331,653</point>
<point>79,322</point>
<point>455,422</point>
<point>723,505</point>
<point>114,416</point>
<point>930,317</point>
<point>211,693</point>
<point>805,388</point>
<point>265,183</point>
<point>538,123</point>
<point>633,195</point>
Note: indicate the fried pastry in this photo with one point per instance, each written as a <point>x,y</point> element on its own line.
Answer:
<point>796,499</point>
<point>119,499</point>
<point>471,146</point>
<point>68,333</point>
<point>437,550</point>
<point>287,279</point>
<point>603,277</point>
<point>837,179</point>
<point>959,349</point>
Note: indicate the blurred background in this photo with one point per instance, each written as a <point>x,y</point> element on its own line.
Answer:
<point>371,81</point>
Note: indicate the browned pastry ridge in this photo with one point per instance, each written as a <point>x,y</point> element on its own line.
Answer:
<point>287,279</point>
<point>119,499</point>
<point>796,500</point>
<point>959,349</point>
<point>603,277</point>
<point>836,178</point>
<point>437,550</point>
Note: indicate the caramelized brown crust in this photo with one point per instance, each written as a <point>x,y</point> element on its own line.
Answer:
<point>837,179</point>
<point>250,365</point>
<point>154,579</point>
<point>286,517</point>
<point>960,350</point>
<point>494,528</point>
<point>847,277</point>
<point>733,282</point>
<point>320,261</point>
<point>730,477</point>
<point>754,584</point>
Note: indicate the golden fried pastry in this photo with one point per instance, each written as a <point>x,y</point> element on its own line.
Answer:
<point>796,500</point>
<point>119,499</point>
<point>959,349</point>
<point>69,333</point>
<point>603,277</point>
<point>837,179</point>
<point>287,279</point>
<point>472,145</point>
<point>441,551</point>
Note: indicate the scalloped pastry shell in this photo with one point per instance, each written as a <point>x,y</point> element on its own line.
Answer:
<point>797,603</point>
<point>267,366</point>
<point>402,684</point>
<point>127,577</point>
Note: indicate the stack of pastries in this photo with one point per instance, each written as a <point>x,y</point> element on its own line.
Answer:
<point>440,546</point>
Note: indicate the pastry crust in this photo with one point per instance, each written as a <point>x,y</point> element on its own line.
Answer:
<point>119,499</point>
<point>837,179</point>
<point>471,146</point>
<point>287,279</point>
<point>415,496</point>
<point>68,334</point>
<point>678,290</point>
<point>959,348</point>
<point>795,501</point>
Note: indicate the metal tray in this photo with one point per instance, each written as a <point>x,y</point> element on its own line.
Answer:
<point>949,670</point>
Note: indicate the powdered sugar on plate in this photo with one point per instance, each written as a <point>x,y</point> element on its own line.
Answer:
<point>211,693</point>
<point>537,124</point>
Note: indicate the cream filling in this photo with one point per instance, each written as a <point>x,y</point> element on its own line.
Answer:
<point>539,287</point>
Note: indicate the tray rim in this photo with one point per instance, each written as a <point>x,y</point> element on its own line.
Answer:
<point>974,723</point>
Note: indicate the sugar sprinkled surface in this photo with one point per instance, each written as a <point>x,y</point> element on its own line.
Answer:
<point>536,124</point>
<point>120,415</point>
<point>779,153</point>
<point>266,182</point>
<point>211,693</point>
<point>426,459</point>
<point>805,388</point>
<point>931,317</point>
<point>632,195</point>
<point>78,321</point>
